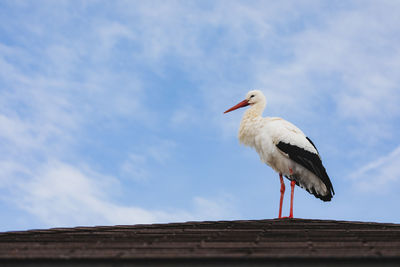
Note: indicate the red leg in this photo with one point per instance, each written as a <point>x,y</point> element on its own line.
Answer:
<point>292,184</point>
<point>282,193</point>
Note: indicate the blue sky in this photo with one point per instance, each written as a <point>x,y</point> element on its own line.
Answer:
<point>111,111</point>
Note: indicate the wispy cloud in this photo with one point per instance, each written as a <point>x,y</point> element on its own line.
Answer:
<point>60,194</point>
<point>135,167</point>
<point>54,90</point>
<point>140,164</point>
<point>351,53</point>
<point>380,175</point>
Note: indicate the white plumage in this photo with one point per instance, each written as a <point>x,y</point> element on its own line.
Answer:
<point>284,147</point>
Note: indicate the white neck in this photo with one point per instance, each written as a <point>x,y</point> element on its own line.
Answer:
<point>255,110</point>
<point>251,117</point>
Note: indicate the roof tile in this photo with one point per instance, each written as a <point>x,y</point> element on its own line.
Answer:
<point>258,239</point>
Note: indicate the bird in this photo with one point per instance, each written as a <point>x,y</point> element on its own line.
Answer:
<point>285,148</point>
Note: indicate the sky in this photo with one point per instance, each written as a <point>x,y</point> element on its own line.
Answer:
<point>111,112</point>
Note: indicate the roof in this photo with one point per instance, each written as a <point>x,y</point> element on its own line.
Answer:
<point>213,241</point>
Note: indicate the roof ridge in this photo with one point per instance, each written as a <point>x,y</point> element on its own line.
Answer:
<point>291,221</point>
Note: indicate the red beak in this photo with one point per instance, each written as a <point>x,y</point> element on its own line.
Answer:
<point>239,105</point>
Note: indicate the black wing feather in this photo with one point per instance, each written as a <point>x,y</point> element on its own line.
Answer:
<point>311,162</point>
<point>311,142</point>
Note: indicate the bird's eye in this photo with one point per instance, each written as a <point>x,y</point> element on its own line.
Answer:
<point>252,96</point>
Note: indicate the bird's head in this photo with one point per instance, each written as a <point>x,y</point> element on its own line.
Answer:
<point>253,97</point>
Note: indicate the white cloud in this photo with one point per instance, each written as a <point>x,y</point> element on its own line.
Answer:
<point>10,171</point>
<point>52,92</point>
<point>380,175</point>
<point>216,208</point>
<point>60,194</point>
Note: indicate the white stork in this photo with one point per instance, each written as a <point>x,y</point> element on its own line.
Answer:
<point>285,148</point>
